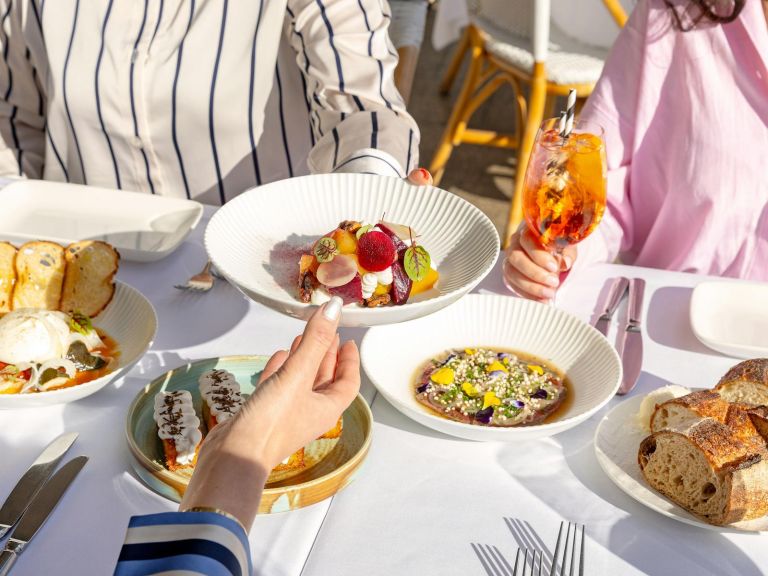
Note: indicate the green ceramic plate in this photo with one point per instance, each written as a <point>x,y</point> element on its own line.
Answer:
<point>319,482</point>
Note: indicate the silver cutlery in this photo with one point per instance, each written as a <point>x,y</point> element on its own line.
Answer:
<point>200,282</point>
<point>38,512</point>
<point>33,479</point>
<point>607,306</point>
<point>571,543</point>
<point>630,343</point>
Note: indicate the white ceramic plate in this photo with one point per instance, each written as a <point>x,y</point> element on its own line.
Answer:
<point>732,317</point>
<point>131,321</point>
<point>392,356</point>
<point>256,239</point>
<point>617,440</point>
<point>142,227</point>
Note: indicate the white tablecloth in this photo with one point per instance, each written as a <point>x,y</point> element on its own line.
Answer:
<point>421,497</point>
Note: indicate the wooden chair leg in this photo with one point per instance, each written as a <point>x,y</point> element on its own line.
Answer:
<point>536,102</point>
<point>458,58</point>
<point>448,140</point>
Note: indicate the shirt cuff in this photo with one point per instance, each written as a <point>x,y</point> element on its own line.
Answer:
<point>371,161</point>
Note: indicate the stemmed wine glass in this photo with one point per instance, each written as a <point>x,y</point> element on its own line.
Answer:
<point>564,195</point>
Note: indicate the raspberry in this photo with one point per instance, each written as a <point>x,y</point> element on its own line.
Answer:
<point>375,251</point>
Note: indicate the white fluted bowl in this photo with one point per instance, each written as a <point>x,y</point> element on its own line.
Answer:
<point>255,240</point>
<point>393,356</point>
<point>130,320</point>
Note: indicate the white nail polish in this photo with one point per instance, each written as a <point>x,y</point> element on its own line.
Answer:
<point>333,308</point>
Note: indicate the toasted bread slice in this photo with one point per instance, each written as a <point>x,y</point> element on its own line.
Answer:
<point>39,276</point>
<point>746,382</point>
<point>89,281</point>
<point>7,275</point>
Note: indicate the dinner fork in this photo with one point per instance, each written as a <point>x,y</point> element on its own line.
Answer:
<point>200,282</point>
<point>573,540</point>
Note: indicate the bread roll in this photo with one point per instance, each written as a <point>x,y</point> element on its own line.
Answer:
<point>746,382</point>
<point>39,276</point>
<point>7,275</point>
<point>679,412</point>
<point>707,471</point>
<point>89,279</point>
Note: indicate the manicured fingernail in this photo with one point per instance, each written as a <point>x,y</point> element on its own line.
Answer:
<point>547,293</point>
<point>424,173</point>
<point>553,281</point>
<point>333,308</point>
<point>551,265</point>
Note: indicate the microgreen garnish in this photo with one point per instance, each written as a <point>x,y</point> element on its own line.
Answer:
<point>362,230</point>
<point>79,322</point>
<point>416,261</point>
<point>10,369</point>
<point>325,249</point>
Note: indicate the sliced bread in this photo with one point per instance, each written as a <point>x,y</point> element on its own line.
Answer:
<point>39,276</point>
<point>679,412</point>
<point>7,275</point>
<point>89,281</point>
<point>746,382</point>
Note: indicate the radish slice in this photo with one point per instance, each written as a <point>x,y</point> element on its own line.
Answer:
<point>339,271</point>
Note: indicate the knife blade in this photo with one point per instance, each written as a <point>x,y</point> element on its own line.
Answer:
<point>630,344</point>
<point>38,512</point>
<point>32,480</point>
<point>607,306</point>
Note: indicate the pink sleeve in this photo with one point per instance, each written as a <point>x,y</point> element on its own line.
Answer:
<point>613,105</point>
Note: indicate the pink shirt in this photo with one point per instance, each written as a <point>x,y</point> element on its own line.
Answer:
<point>686,127</point>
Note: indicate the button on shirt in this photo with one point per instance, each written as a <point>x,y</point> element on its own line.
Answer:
<point>199,98</point>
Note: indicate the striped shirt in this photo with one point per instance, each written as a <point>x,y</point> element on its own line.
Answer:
<point>199,98</point>
<point>187,543</point>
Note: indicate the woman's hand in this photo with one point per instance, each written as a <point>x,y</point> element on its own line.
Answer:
<point>531,271</point>
<point>300,396</point>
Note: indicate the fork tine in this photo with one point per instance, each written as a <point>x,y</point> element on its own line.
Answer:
<point>581,555</point>
<point>565,550</point>
<point>541,561</point>
<point>553,567</point>
<point>517,559</point>
<point>573,549</point>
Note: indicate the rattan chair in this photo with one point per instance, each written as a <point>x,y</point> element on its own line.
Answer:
<point>514,42</point>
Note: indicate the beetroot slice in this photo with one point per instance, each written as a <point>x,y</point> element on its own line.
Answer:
<point>351,292</point>
<point>399,244</point>
<point>401,284</point>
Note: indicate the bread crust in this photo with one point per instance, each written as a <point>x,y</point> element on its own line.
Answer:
<point>699,404</point>
<point>39,276</point>
<point>7,275</point>
<point>748,377</point>
<point>89,280</point>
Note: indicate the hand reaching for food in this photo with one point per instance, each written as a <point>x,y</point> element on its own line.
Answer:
<point>301,394</point>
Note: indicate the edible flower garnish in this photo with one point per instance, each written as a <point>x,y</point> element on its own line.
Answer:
<point>443,376</point>
<point>496,366</point>
<point>469,351</point>
<point>423,388</point>
<point>490,399</point>
<point>80,323</point>
<point>484,415</point>
<point>537,369</point>
<point>517,404</point>
<point>326,249</point>
<point>469,390</point>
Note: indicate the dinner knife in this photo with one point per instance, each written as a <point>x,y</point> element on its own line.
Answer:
<point>35,476</point>
<point>609,303</point>
<point>630,344</point>
<point>38,512</point>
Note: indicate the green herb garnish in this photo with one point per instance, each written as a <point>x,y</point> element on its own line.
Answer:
<point>416,261</point>
<point>326,249</point>
<point>80,323</point>
<point>362,230</point>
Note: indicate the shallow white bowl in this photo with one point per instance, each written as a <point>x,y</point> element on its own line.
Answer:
<point>255,240</point>
<point>131,321</point>
<point>393,355</point>
<point>732,317</point>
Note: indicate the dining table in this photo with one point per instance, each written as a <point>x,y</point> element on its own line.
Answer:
<point>421,499</point>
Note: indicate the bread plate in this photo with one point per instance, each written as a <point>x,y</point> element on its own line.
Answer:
<point>143,227</point>
<point>393,356</point>
<point>731,317</point>
<point>255,240</point>
<point>130,320</point>
<point>321,481</point>
<point>617,441</point>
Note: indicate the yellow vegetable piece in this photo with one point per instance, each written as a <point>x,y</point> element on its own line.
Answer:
<point>496,365</point>
<point>538,369</point>
<point>443,376</point>
<point>490,399</point>
<point>381,289</point>
<point>469,390</point>
<point>469,351</point>
<point>345,241</point>
<point>426,283</point>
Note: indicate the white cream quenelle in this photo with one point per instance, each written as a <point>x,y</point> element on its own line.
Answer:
<point>177,421</point>
<point>221,391</point>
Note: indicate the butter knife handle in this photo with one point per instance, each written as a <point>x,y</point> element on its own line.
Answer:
<point>636,293</point>
<point>7,559</point>
<point>615,293</point>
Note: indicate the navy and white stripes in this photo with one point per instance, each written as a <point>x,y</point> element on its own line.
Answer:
<point>196,106</point>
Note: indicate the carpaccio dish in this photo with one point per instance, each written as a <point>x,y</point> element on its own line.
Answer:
<point>366,264</point>
<point>490,388</point>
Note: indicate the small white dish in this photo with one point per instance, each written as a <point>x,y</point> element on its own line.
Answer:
<point>393,355</point>
<point>255,240</point>
<point>731,317</point>
<point>142,227</point>
<point>131,321</point>
<point>617,441</point>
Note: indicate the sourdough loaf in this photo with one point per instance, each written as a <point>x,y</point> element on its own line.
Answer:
<point>690,408</point>
<point>746,382</point>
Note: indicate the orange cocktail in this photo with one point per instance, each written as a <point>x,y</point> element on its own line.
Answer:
<point>565,185</point>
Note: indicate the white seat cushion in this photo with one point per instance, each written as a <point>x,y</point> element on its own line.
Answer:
<point>569,61</point>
